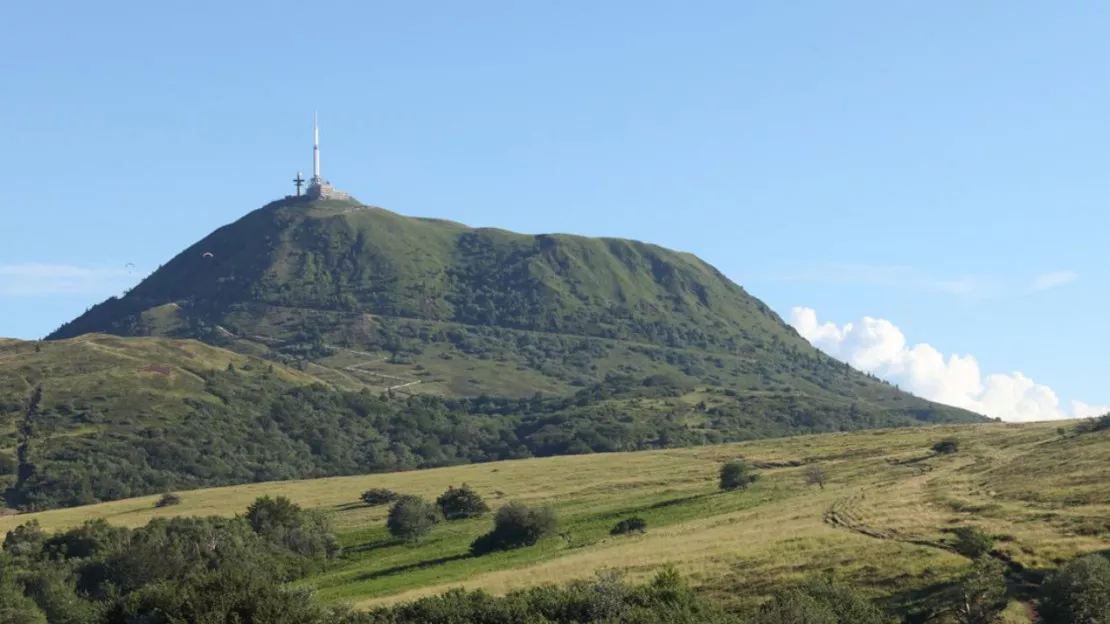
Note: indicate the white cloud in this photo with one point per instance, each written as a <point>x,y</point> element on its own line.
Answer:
<point>909,278</point>
<point>879,347</point>
<point>1052,280</point>
<point>39,280</point>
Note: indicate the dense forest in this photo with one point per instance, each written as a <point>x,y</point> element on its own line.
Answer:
<point>254,426</point>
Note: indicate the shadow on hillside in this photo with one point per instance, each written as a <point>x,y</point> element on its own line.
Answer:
<point>372,546</point>
<point>352,506</point>
<point>659,505</point>
<point>911,461</point>
<point>419,565</point>
<point>919,605</point>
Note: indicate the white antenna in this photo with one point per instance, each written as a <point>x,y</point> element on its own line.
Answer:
<point>315,149</point>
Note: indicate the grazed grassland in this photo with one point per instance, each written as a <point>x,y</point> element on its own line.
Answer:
<point>881,521</point>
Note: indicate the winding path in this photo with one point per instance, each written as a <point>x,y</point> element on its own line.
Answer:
<point>357,367</point>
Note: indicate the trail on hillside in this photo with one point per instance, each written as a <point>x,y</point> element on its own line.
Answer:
<point>843,514</point>
<point>358,367</point>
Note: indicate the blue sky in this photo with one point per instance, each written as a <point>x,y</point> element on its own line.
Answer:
<point>928,172</point>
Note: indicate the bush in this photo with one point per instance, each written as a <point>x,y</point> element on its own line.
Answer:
<point>1091,425</point>
<point>736,475</point>
<point>266,514</point>
<point>815,475</point>
<point>972,542</point>
<point>169,498</point>
<point>980,595</point>
<point>379,496</point>
<point>458,503</point>
<point>514,526</point>
<point>629,525</point>
<point>1078,592</point>
<point>411,518</point>
<point>819,602</point>
<point>950,445</point>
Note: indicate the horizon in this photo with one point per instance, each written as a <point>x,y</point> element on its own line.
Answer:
<point>928,213</point>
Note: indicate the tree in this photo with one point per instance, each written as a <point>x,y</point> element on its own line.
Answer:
<point>1078,592</point>
<point>266,514</point>
<point>972,542</point>
<point>459,503</point>
<point>815,475</point>
<point>946,446</point>
<point>514,526</point>
<point>411,518</point>
<point>980,595</point>
<point>167,499</point>
<point>736,475</point>
<point>628,526</point>
<point>379,496</point>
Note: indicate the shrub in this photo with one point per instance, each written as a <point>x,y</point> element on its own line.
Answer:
<point>736,475</point>
<point>169,498</point>
<point>819,602</point>
<point>1091,425</point>
<point>972,542</point>
<point>25,540</point>
<point>1078,592</point>
<point>266,514</point>
<point>629,525</point>
<point>815,475</point>
<point>950,445</point>
<point>458,503</point>
<point>514,526</point>
<point>379,496</point>
<point>411,518</point>
<point>980,595</point>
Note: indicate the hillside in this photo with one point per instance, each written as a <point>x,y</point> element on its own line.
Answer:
<point>120,417</point>
<point>377,300</point>
<point>884,521</point>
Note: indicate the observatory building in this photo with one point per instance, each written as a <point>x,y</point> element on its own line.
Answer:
<point>318,187</point>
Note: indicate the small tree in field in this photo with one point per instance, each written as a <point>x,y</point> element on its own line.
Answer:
<point>169,498</point>
<point>515,526</point>
<point>980,596</point>
<point>736,475</point>
<point>815,475</point>
<point>461,502</point>
<point>411,518</point>
<point>972,542</point>
<point>379,496</point>
<point>944,447</point>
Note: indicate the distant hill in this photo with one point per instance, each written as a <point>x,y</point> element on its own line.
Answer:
<point>119,417</point>
<point>382,300</point>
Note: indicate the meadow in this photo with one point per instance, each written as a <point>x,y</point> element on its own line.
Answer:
<point>882,521</point>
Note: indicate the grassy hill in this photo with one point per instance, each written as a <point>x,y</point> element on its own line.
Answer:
<point>119,417</point>
<point>366,298</point>
<point>883,522</point>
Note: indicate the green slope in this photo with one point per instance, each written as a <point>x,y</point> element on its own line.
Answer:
<point>121,417</point>
<point>470,311</point>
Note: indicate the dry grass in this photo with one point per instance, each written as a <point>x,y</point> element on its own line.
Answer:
<point>1027,483</point>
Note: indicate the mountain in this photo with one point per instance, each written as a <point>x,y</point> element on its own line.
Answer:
<point>364,297</point>
<point>310,339</point>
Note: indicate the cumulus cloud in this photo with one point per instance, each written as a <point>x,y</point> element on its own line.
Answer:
<point>38,280</point>
<point>909,278</point>
<point>879,347</point>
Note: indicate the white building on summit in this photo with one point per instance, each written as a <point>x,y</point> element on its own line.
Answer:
<point>318,187</point>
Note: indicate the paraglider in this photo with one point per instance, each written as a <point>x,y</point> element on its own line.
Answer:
<point>207,254</point>
<point>130,266</point>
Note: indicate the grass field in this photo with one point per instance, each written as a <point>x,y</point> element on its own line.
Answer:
<point>880,522</point>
